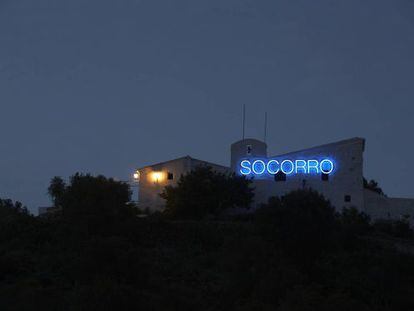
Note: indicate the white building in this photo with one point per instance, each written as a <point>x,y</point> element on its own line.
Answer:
<point>344,186</point>
<point>153,179</point>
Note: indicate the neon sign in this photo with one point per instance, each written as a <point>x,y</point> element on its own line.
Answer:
<point>263,167</point>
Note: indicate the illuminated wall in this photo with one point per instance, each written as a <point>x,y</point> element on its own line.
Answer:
<point>155,177</point>
<point>342,183</point>
<point>335,170</point>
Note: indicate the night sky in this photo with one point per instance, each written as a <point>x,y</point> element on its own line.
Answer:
<point>106,86</point>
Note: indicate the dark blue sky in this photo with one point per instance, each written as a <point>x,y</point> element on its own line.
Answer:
<point>105,86</point>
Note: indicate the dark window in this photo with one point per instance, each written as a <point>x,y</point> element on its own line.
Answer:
<point>347,198</point>
<point>325,177</point>
<point>170,176</point>
<point>280,176</point>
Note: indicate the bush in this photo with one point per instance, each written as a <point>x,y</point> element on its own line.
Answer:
<point>276,262</point>
<point>205,192</point>
<point>94,201</point>
<point>11,211</point>
<point>303,221</point>
<point>14,219</point>
<point>354,220</point>
<point>373,186</point>
<point>395,228</point>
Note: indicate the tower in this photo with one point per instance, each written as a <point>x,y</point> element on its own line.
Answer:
<point>246,148</point>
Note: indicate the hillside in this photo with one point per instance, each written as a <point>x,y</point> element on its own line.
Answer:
<point>132,67</point>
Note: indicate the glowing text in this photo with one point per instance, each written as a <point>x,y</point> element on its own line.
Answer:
<point>288,167</point>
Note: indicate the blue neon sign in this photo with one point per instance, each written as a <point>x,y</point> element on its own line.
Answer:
<point>263,167</point>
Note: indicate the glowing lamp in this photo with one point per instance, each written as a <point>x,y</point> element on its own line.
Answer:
<point>136,176</point>
<point>157,176</point>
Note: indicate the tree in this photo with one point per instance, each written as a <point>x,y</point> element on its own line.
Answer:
<point>204,191</point>
<point>87,197</point>
<point>14,219</point>
<point>373,186</point>
<point>56,191</point>
<point>10,209</point>
<point>303,221</point>
<point>355,221</point>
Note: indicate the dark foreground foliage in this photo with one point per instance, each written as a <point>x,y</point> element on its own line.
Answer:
<point>204,192</point>
<point>93,203</point>
<point>294,254</point>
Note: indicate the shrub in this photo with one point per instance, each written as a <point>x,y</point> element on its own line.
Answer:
<point>373,186</point>
<point>303,221</point>
<point>395,228</point>
<point>94,201</point>
<point>354,220</point>
<point>14,220</point>
<point>205,192</point>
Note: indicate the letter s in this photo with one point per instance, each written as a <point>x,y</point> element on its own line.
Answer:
<point>245,167</point>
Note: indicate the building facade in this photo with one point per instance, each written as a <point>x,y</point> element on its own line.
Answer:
<point>154,178</point>
<point>342,184</point>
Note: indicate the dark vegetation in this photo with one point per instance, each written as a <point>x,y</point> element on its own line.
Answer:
<point>205,192</point>
<point>295,253</point>
<point>373,186</point>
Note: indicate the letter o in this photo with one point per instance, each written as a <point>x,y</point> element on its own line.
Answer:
<point>323,170</point>
<point>283,170</point>
<point>261,170</point>
<point>269,170</point>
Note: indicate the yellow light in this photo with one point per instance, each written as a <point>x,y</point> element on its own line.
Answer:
<point>157,176</point>
<point>136,176</point>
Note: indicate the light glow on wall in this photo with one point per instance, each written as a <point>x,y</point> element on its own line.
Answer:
<point>270,167</point>
<point>300,166</point>
<point>326,166</point>
<point>136,176</point>
<point>258,167</point>
<point>157,177</point>
<point>273,167</point>
<point>289,168</point>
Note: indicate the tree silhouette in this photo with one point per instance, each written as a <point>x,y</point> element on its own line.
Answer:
<point>373,186</point>
<point>95,201</point>
<point>206,192</point>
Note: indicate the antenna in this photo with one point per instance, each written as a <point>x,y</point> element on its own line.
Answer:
<point>244,119</point>
<point>265,127</point>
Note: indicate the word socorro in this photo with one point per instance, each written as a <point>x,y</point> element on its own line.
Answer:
<point>288,167</point>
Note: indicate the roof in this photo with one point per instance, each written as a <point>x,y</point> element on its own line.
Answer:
<point>341,142</point>
<point>182,158</point>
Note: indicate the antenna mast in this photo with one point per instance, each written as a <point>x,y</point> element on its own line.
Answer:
<point>265,127</point>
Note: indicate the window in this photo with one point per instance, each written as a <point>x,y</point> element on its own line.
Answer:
<point>347,198</point>
<point>325,177</point>
<point>170,176</point>
<point>280,176</point>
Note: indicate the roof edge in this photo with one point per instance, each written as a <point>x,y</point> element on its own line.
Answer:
<point>181,158</point>
<point>340,142</point>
